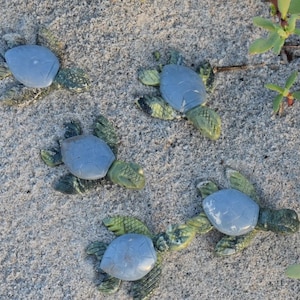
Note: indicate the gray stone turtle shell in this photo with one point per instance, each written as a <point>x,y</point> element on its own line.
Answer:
<point>34,66</point>
<point>87,156</point>
<point>181,87</point>
<point>231,211</point>
<point>129,257</point>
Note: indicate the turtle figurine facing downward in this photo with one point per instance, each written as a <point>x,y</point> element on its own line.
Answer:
<point>237,213</point>
<point>135,255</point>
<point>36,68</point>
<point>183,90</point>
<point>91,157</point>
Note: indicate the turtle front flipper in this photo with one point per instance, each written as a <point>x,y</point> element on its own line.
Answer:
<point>206,120</point>
<point>143,288</point>
<point>129,175</point>
<point>120,225</point>
<point>284,221</point>
<point>241,183</point>
<point>104,130</point>
<point>156,107</point>
<point>70,184</point>
<point>230,245</point>
<point>75,80</point>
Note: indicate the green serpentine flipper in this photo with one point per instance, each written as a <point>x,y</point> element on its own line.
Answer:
<point>120,225</point>
<point>239,182</point>
<point>206,120</point>
<point>230,245</point>
<point>70,184</point>
<point>156,107</point>
<point>129,175</point>
<point>104,130</point>
<point>144,287</point>
<point>149,77</point>
<point>109,285</point>
<point>200,224</point>
<point>97,249</point>
<point>206,188</point>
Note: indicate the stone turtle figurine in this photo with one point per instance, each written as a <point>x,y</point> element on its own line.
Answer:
<point>237,213</point>
<point>91,157</point>
<point>182,90</point>
<point>37,68</point>
<point>135,255</point>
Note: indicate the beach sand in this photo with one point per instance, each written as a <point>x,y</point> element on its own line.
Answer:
<point>44,233</point>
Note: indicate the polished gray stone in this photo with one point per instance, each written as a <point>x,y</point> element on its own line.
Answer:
<point>129,257</point>
<point>181,87</point>
<point>34,66</point>
<point>87,156</point>
<point>231,211</point>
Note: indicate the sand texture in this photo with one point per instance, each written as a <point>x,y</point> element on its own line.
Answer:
<point>43,233</point>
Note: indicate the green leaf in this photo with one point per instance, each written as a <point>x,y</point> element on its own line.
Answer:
<point>291,80</point>
<point>274,87</point>
<point>291,24</point>
<point>294,7</point>
<point>296,95</point>
<point>276,103</point>
<point>263,45</point>
<point>297,31</point>
<point>278,45</point>
<point>293,271</point>
<point>283,7</point>
<point>264,23</point>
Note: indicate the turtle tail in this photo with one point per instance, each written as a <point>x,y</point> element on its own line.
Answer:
<point>206,120</point>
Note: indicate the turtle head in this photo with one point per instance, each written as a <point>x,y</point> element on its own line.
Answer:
<point>280,221</point>
<point>74,79</point>
<point>175,238</point>
<point>206,120</point>
<point>129,175</point>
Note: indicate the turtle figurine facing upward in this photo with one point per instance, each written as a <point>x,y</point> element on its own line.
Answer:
<point>237,213</point>
<point>183,90</point>
<point>36,68</point>
<point>135,255</point>
<point>91,157</point>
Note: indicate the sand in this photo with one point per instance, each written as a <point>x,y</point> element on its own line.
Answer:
<point>44,233</point>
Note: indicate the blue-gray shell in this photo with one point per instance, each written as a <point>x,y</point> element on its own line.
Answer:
<point>87,156</point>
<point>182,88</point>
<point>34,66</point>
<point>231,211</point>
<point>129,257</point>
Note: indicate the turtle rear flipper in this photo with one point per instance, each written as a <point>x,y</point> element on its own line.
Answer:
<point>143,288</point>
<point>120,225</point>
<point>230,245</point>
<point>156,107</point>
<point>206,120</point>
<point>104,130</point>
<point>109,284</point>
<point>70,184</point>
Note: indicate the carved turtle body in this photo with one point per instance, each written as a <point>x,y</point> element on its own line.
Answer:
<point>231,211</point>
<point>181,87</point>
<point>86,156</point>
<point>182,90</point>
<point>37,68</point>
<point>92,157</point>
<point>129,257</point>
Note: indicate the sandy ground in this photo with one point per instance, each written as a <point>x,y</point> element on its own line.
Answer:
<point>44,233</point>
